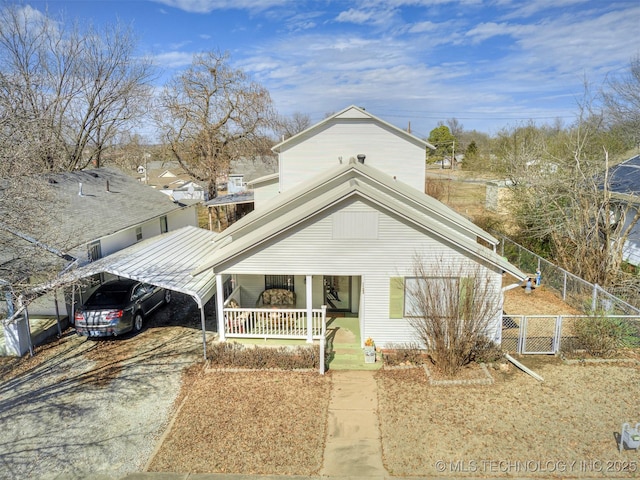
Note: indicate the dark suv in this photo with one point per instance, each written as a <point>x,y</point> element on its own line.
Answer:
<point>117,307</point>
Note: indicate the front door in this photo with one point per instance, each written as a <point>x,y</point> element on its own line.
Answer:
<point>337,293</point>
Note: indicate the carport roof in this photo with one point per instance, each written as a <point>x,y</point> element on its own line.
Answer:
<point>166,260</point>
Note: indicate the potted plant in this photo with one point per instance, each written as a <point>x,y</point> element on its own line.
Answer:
<point>369,351</point>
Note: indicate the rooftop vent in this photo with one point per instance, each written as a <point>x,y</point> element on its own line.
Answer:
<point>361,157</point>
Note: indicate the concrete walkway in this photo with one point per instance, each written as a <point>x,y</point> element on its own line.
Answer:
<point>352,447</point>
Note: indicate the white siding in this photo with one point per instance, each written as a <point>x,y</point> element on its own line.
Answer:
<point>114,243</point>
<point>631,249</point>
<point>344,139</point>
<point>184,217</point>
<point>265,191</point>
<point>312,249</point>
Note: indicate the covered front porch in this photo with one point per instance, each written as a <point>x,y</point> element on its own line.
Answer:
<point>341,343</point>
<point>300,311</point>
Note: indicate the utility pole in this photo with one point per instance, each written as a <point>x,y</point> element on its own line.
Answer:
<point>453,154</point>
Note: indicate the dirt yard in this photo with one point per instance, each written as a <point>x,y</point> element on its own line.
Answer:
<point>541,301</point>
<point>275,422</point>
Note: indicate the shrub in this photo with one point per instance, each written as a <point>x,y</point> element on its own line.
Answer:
<point>236,355</point>
<point>405,354</point>
<point>451,308</point>
<point>603,336</point>
<point>435,188</point>
<point>486,351</point>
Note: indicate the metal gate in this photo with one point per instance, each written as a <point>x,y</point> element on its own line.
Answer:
<point>531,334</point>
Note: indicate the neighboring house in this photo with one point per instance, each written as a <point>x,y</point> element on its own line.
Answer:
<point>171,179</point>
<point>104,211</point>
<point>236,183</point>
<point>239,198</point>
<point>187,191</point>
<point>344,231</point>
<point>624,182</point>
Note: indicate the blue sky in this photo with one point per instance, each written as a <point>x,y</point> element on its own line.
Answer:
<point>489,63</point>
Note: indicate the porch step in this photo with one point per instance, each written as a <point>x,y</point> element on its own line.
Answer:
<point>351,358</point>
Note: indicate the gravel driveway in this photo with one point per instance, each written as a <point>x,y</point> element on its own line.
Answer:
<point>83,407</point>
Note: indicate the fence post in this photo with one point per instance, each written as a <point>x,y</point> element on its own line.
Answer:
<point>522,332</point>
<point>594,299</point>
<point>564,286</point>
<point>556,347</point>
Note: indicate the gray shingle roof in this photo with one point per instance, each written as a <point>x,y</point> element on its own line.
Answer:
<point>99,212</point>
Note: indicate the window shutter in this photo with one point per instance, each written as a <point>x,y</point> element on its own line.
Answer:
<point>396,297</point>
<point>466,298</point>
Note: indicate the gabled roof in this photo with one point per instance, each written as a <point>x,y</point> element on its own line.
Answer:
<point>109,201</point>
<point>351,112</point>
<point>353,180</point>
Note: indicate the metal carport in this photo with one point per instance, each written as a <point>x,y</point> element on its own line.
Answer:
<point>166,261</point>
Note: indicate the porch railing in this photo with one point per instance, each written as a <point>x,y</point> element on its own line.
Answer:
<point>285,323</point>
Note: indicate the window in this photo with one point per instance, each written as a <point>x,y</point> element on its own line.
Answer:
<point>279,281</point>
<point>94,251</point>
<point>138,234</point>
<point>164,225</point>
<point>441,296</point>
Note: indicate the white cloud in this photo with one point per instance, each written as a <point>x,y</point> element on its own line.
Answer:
<point>384,16</point>
<point>206,6</point>
<point>354,16</point>
<point>172,60</point>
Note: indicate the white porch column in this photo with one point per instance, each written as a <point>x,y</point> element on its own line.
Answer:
<point>309,285</point>
<point>220,306</point>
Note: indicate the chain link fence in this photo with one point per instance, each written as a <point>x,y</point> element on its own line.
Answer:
<point>578,293</point>
<point>551,334</point>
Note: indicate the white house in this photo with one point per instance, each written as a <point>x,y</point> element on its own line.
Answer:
<point>344,232</point>
<point>343,137</point>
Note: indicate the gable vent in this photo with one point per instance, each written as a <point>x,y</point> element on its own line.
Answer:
<point>355,225</point>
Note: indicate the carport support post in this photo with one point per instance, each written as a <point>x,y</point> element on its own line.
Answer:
<point>309,286</point>
<point>204,329</point>
<point>220,306</point>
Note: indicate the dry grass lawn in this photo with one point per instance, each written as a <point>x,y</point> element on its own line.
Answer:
<point>516,427</point>
<point>248,423</point>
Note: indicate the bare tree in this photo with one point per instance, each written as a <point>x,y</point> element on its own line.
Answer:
<point>563,204</point>
<point>453,310</point>
<point>290,126</point>
<point>622,99</point>
<point>65,93</point>
<point>457,130</point>
<point>212,113</point>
